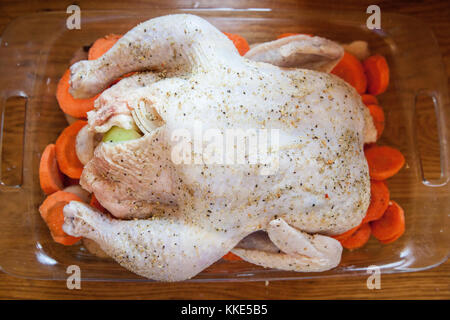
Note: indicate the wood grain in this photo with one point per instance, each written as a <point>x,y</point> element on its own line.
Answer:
<point>431,284</point>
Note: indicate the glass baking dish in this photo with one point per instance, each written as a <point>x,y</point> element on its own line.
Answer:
<point>36,49</point>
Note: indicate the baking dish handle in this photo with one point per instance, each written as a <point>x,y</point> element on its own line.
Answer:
<point>440,112</point>
<point>17,161</point>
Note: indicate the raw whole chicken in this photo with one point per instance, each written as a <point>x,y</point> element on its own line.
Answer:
<point>176,219</point>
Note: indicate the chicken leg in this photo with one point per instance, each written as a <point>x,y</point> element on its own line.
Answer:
<point>160,249</point>
<point>158,44</point>
<point>299,250</point>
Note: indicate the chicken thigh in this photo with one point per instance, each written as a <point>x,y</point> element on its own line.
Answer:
<point>313,182</point>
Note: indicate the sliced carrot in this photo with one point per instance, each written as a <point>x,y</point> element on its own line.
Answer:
<point>66,240</point>
<point>383,162</point>
<point>390,240</point>
<point>102,45</point>
<point>379,201</point>
<point>347,234</point>
<point>239,42</point>
<point>391,225</point>
<point>369,99</point>
<point>50,178</point>
<point>287,34</point>
<point>97,205</point>
<point>74,107</point>
<point>377,114</point>
<point>52,212</point>
<point>358,239</point>
<point>351,70</point>
<point>66,155</point>
<point>377,72</point>
<point>230,256</point>
<point>54,198</point>
<point>55,219</point>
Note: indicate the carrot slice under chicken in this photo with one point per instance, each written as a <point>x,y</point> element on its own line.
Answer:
<point>51,211</point>
<point>50,178</point>
<point>351,70</point>
<point>383,161</point>
<point>239,42</point>
<point>379,201</point>
<point>358,239</point>
<point>102,45</point>
<point>65,150</point>
<point>76,108</point>
<point>391,226</point>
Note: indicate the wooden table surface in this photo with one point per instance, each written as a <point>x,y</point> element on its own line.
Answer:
<point>431,284</point>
